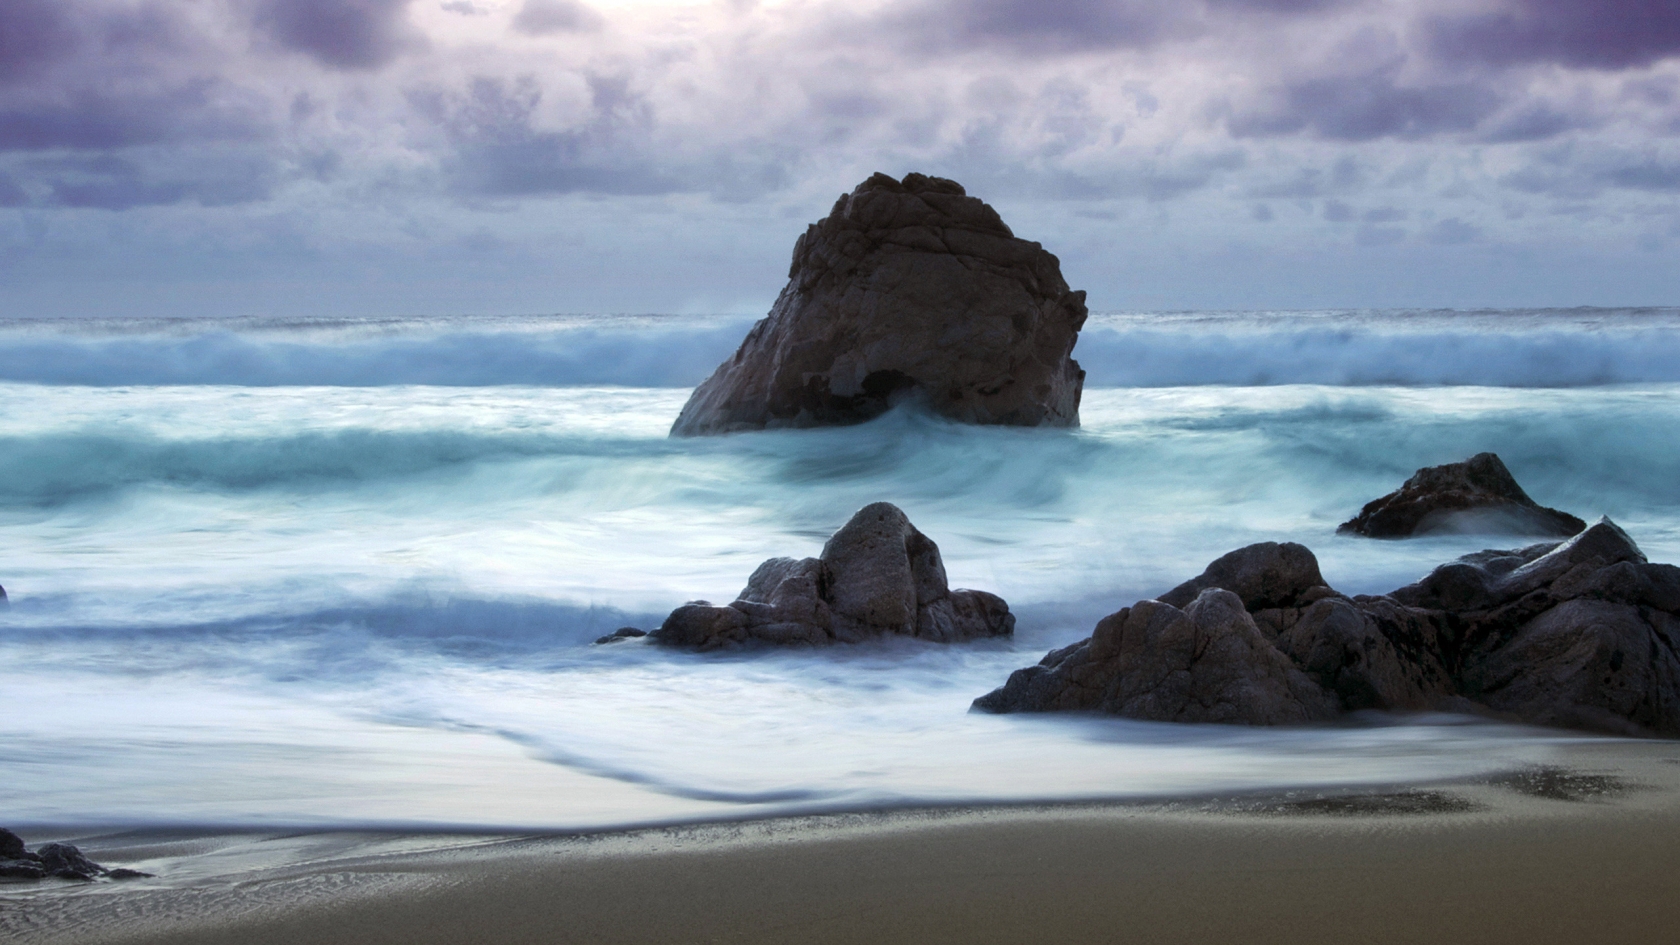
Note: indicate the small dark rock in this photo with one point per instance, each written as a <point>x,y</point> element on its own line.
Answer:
<point>125,873</point>
<point>11,845</point>
<point>1264,575</point>
<point>877,576</point>
<point>66,862</point>
<point>622,633</point>
<point>1479,494</point>
<point>21,869</point>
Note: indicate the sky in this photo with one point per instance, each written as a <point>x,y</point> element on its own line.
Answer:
<point>435,157</point>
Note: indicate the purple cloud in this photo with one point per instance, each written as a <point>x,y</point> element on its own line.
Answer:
<point>342,34</point>
<point>102,120</point>
<point>33,33</point>
<point>1041,26</point>
<point>1592,34</point>
<point>498,153</point>
<point>543,17</point>
<point>1372,105</point>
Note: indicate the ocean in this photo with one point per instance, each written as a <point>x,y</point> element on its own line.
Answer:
<point>348,573</point>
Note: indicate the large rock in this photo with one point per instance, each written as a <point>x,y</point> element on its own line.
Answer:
<point>878,575</point>
<point>1583,633</point>
<point>908,289</point>
<point>1205,663</point>
<point>1478,495</point>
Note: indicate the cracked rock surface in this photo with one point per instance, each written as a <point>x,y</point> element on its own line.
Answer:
<point>907,290</point>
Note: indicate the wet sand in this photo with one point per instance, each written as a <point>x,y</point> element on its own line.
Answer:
<point>1585,851</point>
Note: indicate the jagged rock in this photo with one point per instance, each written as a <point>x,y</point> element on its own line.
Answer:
<point>1205,663</point>
<point>1477,495</point>
<point>1583,633</point>
<point>907,289</point>
<point>877,575</point>
<point>66,862</point>
<point>1264,575</point>
<point>620,635</point>
<point>12,846</point>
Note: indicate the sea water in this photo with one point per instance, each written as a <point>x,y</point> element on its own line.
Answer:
<point>350,573</point>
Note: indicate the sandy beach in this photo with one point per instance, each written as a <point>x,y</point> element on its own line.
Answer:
<point>1584,851</point>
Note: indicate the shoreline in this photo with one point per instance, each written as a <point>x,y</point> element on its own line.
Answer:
<point>1581,851</point>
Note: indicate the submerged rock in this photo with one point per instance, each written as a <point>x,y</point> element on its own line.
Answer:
<point>907,289</point>
<point>878,575</point>
<point>620,635</point>
<point>1477,495</point>
<point>1583,633</point>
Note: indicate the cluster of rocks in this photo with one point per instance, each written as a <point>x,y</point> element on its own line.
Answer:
<point>878,575</point>
<point>58,860</point>
<point>1477,495</point>
<point>908,288</point>
<point>1583,633</point>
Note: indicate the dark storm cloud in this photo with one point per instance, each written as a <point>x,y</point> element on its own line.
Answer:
<point>1372,105</point>
<point>1595,34</point>
<point>500,154</point>
<point>343,34</point>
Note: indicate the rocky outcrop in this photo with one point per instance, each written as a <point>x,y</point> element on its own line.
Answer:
<point>877,576</point>
<point>1205,663</point>
<point>1583,633</point>
<point>57,860</point>
<point>1477,495</point>
<point>908,289</point>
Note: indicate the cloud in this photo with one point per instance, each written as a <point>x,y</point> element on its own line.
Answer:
<point>101,120</point>
<point>544,17</point>
<point>1370,106</point>
<point>33,33</point>
<point>342,34</point>
<point>1040,26</point>
<point>1592,34</point>
<point>499,152</point>
<point>1646,175</point>
<point>112,182</point>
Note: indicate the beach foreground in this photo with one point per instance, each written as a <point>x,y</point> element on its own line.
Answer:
<point>1583,851</point>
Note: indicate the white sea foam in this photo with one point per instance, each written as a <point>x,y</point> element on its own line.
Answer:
<point>237,603</point>
<point>1526,348</point>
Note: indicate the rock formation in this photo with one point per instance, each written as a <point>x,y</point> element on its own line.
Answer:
<point>58,860</point>
<point>877,575</point>
<point>1583,633</point>
<point>907,289</point>
<point>1478,494</point>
